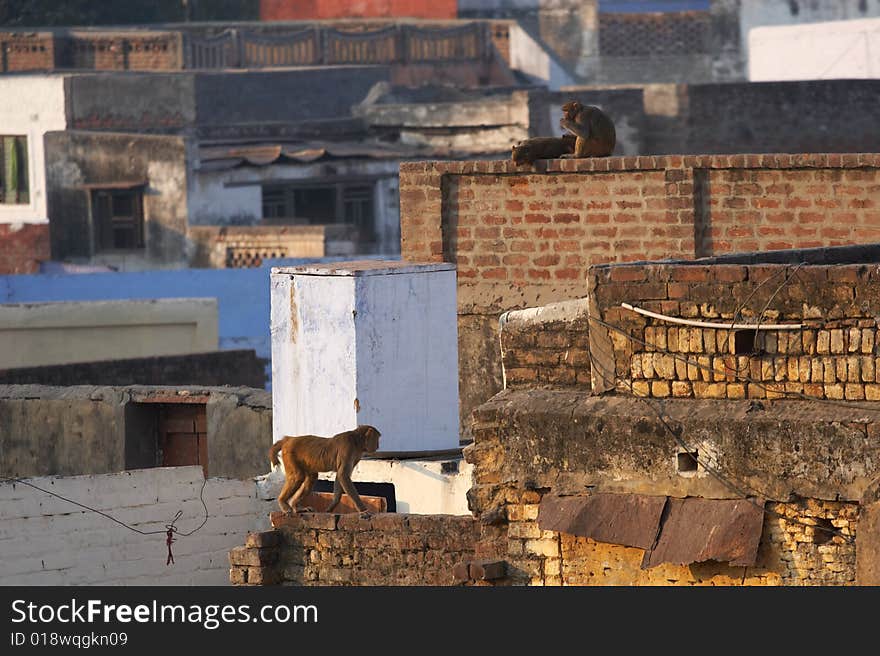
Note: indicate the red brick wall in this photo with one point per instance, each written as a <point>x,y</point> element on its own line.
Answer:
<point>123,52</point>
<point>26,52</point>
<point>276,10</point>
<point>154,53</point>
<point>549,348</point>
<point>754,209</point>
<point>22,249</point>
<point>519,228</point>
<point>526,236</point>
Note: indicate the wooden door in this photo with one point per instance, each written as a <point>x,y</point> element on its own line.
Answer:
<point>183,435</point>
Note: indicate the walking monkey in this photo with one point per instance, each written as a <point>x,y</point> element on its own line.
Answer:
<point>304,456</point>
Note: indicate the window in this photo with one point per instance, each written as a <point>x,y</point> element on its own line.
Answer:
<point>118,219</point>
<point>321,204</point>
<point>14,170</point>
<point>357,205</point>
<point>166,435</point>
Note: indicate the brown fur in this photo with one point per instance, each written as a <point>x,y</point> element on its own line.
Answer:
<point>593,128</point>
<point>304,456</point>
<point>528,150</point>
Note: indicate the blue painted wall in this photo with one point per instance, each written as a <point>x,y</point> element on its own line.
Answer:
<point>640,6</point>
<point>242,295</point>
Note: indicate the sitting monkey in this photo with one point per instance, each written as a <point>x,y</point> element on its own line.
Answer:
<point>592,127</point>
<point>528,150</point>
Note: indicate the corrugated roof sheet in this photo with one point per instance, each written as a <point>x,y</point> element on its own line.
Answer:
<point>220,158</point>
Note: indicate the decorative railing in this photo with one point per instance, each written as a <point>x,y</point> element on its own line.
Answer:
<point>394,44</point>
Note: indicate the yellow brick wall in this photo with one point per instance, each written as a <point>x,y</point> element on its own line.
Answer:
<point>792,552</point>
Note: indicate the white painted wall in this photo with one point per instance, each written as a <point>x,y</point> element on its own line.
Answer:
<point>420,486</point>
<point>47,541</point>
<point>528,57</point>
<point>223,197</point>
<point>760,13</point>
<point>366,343</point>
<point>818,51</point>
<point>31,105</point>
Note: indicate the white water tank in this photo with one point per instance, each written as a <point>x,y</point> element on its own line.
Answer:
<point>372,342</point>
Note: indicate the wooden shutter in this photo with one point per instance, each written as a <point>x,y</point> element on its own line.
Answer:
<point>102,220</point>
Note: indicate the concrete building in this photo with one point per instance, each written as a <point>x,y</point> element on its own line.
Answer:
<point>227,169</point>
<point>24,216</point>
<point>845,49</point>
<point>607,42</point>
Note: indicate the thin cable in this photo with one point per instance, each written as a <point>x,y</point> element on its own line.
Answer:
<point>168,527</point>
<point>762,384</point>
<point>738,312</point>
<point>738,487</point>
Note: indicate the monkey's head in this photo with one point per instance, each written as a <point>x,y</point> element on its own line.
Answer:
<point>370,437</point>
<point>571,109</point>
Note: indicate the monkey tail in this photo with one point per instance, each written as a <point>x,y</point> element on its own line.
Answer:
<point>273,452</point>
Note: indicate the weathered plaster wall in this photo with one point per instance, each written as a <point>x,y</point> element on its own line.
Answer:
<point>228,367</point>
<point>78,159</point>
<point>30,106</point>
<point>97,551</point>
<point>351,344</point>
<point>835,50</point>
<point>137,102</point>
<point>814,464</point>
<point>69,431</point>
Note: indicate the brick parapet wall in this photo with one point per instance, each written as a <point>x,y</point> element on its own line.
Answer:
<point>526,236</point>
<point>46,51</point>
<point>618,209</point>
<point>834,355</point>
<point>546,347</point>
<point>247,246</point>
<point>329,549</point>
<point>26,52</point>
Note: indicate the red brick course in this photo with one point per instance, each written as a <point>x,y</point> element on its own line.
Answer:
<point>285,10</point>
<point>23,247</point>
<point>533,226</point>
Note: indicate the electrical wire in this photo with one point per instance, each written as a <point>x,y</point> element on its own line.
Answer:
<point>170,526</point>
